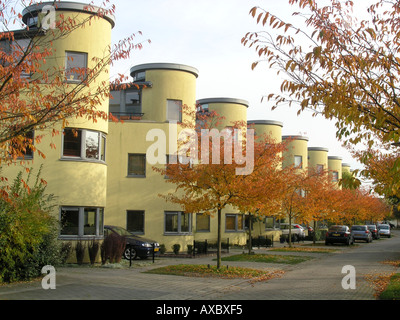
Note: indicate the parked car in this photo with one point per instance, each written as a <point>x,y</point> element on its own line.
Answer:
<point>374,231</point>
<point>339,234</point>
<point>136,246</point>
<point>298,232</point>
<point>384,230</point>
<point>361,232</point>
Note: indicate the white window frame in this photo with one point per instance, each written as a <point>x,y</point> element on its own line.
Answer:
<point>102,145</point>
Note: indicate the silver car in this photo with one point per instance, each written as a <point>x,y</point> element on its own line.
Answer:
<point>361,233</point>
<point>384,230</point>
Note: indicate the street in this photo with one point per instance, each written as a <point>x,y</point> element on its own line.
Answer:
<point>316,279</point>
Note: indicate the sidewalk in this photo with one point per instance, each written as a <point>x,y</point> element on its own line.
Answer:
<point>317,279</point>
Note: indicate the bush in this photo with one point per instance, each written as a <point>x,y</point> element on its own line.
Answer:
<point>163,249</point>
<point>93,248</point>
<point>80,252</point>
<point>28,232</point>
<point>176,247</point>
<point>112,248</point>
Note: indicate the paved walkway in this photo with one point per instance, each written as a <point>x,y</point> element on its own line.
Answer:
<point>317,279</point>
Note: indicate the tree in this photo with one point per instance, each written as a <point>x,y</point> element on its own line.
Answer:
<point>212,181</point>
<point>34,94</point>
<point>339,66</point>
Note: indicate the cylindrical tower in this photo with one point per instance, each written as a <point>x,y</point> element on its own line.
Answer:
<point>297,152</point>
<point>231,109</point>
<point>269,128</point>
<point>172,86</point>
<point>335,168</point>
<point>318,158</point>
<point>75,170</point>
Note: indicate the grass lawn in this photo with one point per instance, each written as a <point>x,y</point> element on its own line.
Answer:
<point>392,291</point>
<point>211,271</point>
<point>267,258</point>
<point>304,249</point>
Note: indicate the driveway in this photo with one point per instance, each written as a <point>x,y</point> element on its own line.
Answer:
<point>317,279</point>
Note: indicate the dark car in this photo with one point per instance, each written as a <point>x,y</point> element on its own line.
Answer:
<point>135,246</point>
<point>374,231</point>
<point>339,234</point>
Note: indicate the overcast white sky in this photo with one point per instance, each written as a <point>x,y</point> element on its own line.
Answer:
<point>207,35</point>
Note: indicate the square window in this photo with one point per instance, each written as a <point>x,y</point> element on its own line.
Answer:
<point>298,161</point>
<point>72,143</point>
<point>135,221</point>
<point>202,222</point>
<point>234,223</point>
<point>81,222</point>
<point>70,221</point>
<point>137,165</point>
<point>174,110</point>
<point>75,66</point>
<point>178,222</point>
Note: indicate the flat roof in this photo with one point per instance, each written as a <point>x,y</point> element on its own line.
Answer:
<point>318,149</point>
<point>162,66</point>
<point>266,122</point>
<point>34,9</point>
<point>294,137</point>
<point>334,158</point>
<point>223,100</point>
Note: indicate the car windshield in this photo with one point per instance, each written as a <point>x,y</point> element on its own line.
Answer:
<point>358,228</point>
<point>337,228</point>
<point>372,227</point>
<point>121,231</point>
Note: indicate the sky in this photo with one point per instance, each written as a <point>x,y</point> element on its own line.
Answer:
<point>207,35</point>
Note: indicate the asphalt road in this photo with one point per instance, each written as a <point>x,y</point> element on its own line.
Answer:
<point>317,279</point>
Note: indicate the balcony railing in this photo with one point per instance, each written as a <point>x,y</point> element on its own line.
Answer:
<point>127,115</point>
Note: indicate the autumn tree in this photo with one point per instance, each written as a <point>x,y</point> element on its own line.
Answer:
<point>212,174</point>
<point>340,61</point>
<point>37,95</point>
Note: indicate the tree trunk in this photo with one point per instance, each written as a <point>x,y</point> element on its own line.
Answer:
<point>250,227</point>
<point>219,240</point>
<point>290,231</point>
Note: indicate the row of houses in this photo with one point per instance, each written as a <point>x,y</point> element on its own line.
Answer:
<point>98,171</point>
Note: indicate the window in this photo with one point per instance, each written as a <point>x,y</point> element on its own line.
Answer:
<point>335,176</point>
<point>20,52</point>
<point>135,221</point>
<point>202,222</point>
<point>320,168</point>
<point>84,144</point>
<point>81,221</point>
<point>25,149</point>
<point>136,165</point>
<point>270,223</point>
<point>178,222</point>
<point>298,161</point>
<point>75,66</point>
<point>174,110</point>
<point>234,223</point>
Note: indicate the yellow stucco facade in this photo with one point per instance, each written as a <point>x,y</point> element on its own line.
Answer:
<point>119,187</point>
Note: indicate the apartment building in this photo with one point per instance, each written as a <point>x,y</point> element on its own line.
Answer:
<point>100,171</point>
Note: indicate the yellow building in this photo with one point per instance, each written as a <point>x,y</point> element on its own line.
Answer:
<point>76,169</point>
<point>318,158</point>
<point>297,151</point>
<point>101,172</point>
<point>335,168</point>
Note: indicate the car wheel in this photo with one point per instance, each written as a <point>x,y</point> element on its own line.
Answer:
<point>130,253</point>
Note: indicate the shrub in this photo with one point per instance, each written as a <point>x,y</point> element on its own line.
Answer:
<point>93,248</point>
<point>112,248</point>
<point>80,252</point>
<point>28,232</point>
<point>176,247</point>
<point>163,249</point>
